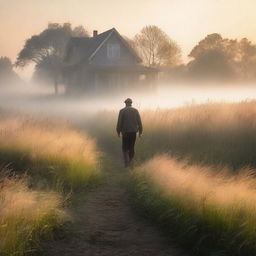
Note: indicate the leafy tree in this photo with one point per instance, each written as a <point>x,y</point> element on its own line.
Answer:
<point>47,50</point>
<point>213,64</point>
<point>79,31</point>
<point>223,58</point>
<point>247,58</point>
<point>156,48</point>
<point>5,65</point>
<point>7,74</point>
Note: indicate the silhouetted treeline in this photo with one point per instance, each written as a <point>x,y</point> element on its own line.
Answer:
<point>217,58</point>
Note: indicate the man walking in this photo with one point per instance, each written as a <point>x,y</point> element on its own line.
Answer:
<point>128,124</point>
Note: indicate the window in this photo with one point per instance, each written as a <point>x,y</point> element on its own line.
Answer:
<point>113,51</point>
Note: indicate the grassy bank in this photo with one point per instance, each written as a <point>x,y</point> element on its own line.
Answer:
<point>209,212</point>
<point>46,161</point>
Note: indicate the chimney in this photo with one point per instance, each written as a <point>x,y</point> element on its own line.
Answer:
<point>95,33</point>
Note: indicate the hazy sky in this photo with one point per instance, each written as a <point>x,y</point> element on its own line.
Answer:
<point>186,21</point>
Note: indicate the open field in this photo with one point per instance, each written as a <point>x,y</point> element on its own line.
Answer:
<point>202,189</point>
<point>42,163</point>
<point>194,172</point>
<point>128,128</point>
<point>210,134</point>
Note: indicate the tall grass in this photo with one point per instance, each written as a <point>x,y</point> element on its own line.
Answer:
<point>26,215</point>
<point>55,159</point>
<point>214,213</point>
<point>51,153</point>
<point>213,133</point>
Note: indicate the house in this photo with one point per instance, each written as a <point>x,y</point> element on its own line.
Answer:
<point>104,62</point>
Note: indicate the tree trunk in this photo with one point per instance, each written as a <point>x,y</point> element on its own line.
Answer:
<point>56,88</point>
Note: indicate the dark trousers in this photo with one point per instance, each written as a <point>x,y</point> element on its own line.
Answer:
<point>128,142</point>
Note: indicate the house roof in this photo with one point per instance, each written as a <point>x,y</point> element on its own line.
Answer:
<point>89,46</point>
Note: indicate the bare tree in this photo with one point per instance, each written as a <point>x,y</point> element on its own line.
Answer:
<point>156,48</point>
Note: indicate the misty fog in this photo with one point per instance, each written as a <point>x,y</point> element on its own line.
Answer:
<point>33,99</point>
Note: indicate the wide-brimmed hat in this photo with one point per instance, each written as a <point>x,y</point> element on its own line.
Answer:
<point>128,100</point>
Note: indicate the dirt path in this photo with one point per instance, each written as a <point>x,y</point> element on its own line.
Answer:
<point>106,225</point>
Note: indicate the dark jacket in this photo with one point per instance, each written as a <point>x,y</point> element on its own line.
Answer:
<point>129,120</point>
